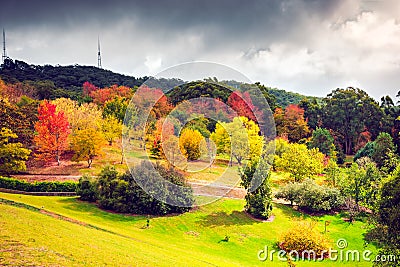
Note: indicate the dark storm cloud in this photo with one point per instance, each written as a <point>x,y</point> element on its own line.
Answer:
<point>258,19</point>
<point>311,46</point>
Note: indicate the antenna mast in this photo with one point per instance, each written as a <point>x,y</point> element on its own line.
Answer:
<point>98,53</point>
<point>4,56</point>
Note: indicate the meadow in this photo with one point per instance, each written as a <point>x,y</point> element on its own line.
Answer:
<point>65,231</point>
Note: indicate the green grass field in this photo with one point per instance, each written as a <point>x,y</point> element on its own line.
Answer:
<point>31,234</point>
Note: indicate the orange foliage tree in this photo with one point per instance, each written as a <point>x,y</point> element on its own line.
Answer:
<point>53,130</point>
<point>101,96</point>
<point>291,123</point>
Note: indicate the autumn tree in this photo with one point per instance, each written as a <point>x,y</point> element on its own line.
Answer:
<point>242,104</point>
<point>240,138</point>
<point>163,130</point>
<point>20,118</point>
<point>189,143</point>
<point>87,145</point>
<point>12,154</point>
<point>88,88</point>
<point>101,96</point>
<point>290,123</point>
<point>172,151</point>
<point>53,130</point>
<point>86,115</point>
<point>111,128</point>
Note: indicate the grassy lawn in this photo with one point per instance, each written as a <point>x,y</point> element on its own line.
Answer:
<point>101,238</point>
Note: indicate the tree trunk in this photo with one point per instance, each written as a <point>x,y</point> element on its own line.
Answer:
<point>89,163</point>
<point>58,159</point>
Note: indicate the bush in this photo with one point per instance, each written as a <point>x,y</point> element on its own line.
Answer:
<point>312,197</point>
<point>291,192</point>
<point>303,238</point>
<point>87,189</point>
<point>122,193</point>
<point>15,184</point>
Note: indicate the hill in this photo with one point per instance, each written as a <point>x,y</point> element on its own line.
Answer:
<point>285,98</point>
<point>66,77</point>
<point>67,81</point>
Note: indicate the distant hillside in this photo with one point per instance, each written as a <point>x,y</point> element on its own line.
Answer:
<point>280,98</point>
<point>285,98</point>
<point>67,81</point>
<point>66,77</point>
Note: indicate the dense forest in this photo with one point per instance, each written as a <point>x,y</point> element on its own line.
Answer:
<point>62,81</point>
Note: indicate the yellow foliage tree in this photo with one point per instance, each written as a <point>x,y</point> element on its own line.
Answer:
<point>189,143</point>
<point>111,128</point>
<point>87,144</point>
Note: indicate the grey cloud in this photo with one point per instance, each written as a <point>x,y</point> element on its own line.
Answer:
<point>301,45</point>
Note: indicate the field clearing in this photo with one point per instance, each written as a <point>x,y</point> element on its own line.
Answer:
<point>30,236</point>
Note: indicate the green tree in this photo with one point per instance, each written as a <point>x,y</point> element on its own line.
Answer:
<point>301,162</point>
<point>366,151</point>
<point>363,180</point>
<point>116,107</point>
<point>386,221</point>
<point>312,112</point>
<point>255,179</point>
<point>348,112</point>
<point>323,140</point>
<point>383,146</point>
<point>12,155</point>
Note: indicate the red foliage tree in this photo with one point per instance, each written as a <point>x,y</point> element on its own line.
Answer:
<point>88,88</point>
<point>363,139</point>
<point>242,104</point>
<point>53,130</point>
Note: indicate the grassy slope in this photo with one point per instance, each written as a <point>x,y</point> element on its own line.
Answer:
<point>189,239</point>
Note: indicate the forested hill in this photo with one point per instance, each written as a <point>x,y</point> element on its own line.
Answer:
<point>285,98</point>
<point>66,77</point>
<point>67,81</point>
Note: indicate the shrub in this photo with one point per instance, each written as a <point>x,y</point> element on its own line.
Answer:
<point>303,239</point>
<point>87,189</point>
<point>15,184</point>
<point>122,193</point>
<point>290,192</point>
<point>310,196</point>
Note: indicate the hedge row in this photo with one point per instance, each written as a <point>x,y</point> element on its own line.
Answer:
<point>15,184</point>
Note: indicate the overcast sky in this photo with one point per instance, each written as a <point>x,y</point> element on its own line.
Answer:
<point>306,46</point>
